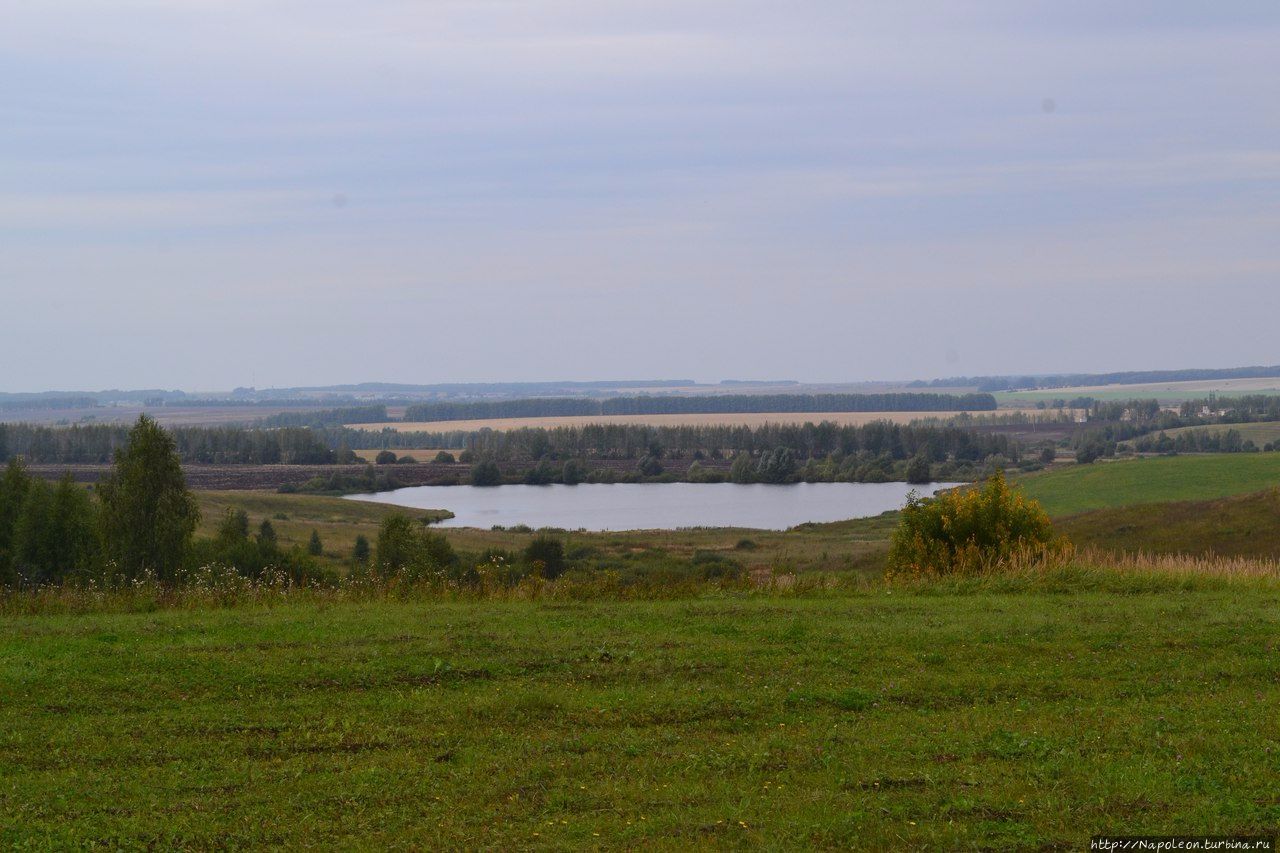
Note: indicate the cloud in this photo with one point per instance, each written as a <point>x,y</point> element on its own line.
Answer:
<point>625,173</point>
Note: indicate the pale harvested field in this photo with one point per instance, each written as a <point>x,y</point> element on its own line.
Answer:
<point>720,419</point>
<point>1169,392</point>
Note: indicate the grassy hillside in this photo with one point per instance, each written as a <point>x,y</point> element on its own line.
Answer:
<point>1259,433</point>
<point>1240,526</point>
<point>1079,488</point>
<point>876,721</point>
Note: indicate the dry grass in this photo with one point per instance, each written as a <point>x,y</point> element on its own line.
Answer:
<point>751,419</point>
<point>1207,565</point>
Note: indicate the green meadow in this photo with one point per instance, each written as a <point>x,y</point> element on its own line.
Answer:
<point>1079,488</point>
<point>891,718</point>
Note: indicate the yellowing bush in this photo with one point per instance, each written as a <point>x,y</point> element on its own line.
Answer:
<point>970,531</point>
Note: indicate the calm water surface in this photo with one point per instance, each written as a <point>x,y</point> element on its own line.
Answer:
<point>655,506</point>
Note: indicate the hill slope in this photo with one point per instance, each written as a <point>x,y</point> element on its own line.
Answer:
<point>1080,488</point>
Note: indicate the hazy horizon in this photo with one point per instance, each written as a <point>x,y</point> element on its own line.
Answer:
<point>217,194</point>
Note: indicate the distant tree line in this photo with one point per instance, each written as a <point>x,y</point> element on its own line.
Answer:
<point>139,523</point>
<point>629,441</point>
<point>1070,380</point>
<point>97,443</point>
<point>711,404</point>
<point>44,402</point>
<point>326,417</point>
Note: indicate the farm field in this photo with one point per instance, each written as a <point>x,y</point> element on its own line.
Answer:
<point>870,721</point>
<point>1165,392</point>
<point>752,419</point>
<point>1259,433</point>
<point>1079,488</point>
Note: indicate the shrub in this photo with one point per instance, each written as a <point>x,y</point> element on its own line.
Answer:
<point>405,547</point>
<point>548,553</point>
<point>573,473</point>
<point>486,473</point>
<point>918,471</point>
<point>650,466</point>
<point>972,530</point>
<point>360,552</point>
<point>385,457</point>
<point>444,457</point>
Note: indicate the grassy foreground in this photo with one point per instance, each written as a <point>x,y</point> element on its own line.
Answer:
<point>873,720</point>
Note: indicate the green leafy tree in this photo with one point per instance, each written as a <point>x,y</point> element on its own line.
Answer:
<point>360,553</point>
<point>404,546</point>
<point>234,528</point>
<point>486,473</point>
<point>13,493</point>
<point>777,466</point>
<point>148,515</point>
<point>918,471</point>
<point>547,554</point>
<point>743,469</point>
<point>55,535</point>
<point>573,473</point>
<point>314,546</point>
<point>266,534</point>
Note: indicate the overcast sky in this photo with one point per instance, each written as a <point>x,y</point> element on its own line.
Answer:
<point>200,194</point>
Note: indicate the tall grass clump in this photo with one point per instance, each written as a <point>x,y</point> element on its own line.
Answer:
<point>974,531</point>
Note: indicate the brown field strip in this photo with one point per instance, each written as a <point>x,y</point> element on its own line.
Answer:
<point>751,419</point>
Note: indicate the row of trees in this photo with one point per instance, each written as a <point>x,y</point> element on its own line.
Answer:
<point>633,441</point>
<point>98,443</point>
<point>680,404</point>
<point>140,521</point>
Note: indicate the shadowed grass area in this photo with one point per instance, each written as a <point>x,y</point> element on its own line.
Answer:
<point>1079,488</point>
<point>878,720</point>
<point>1241,526</point>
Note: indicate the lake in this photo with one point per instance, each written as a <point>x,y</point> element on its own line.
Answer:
<point>655,506</point>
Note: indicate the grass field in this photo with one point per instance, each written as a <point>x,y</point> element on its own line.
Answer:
<point>1079,488</point>
<point>871,721</point>
<point>719,419</point>
<point>1259,433</point>
<point>337,521</point>
<point>1166,392</point>
<point>1238,526</point>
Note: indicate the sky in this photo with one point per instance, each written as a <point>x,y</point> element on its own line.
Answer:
<point>202,194</point>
